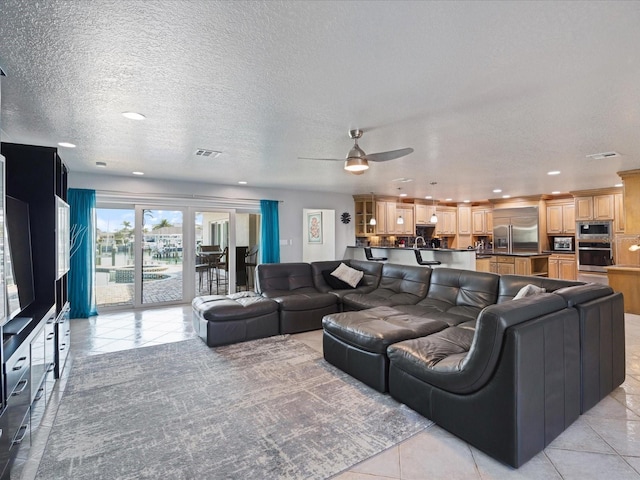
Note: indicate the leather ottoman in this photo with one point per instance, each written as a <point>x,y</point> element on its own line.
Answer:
<point>224,319</point>
<point>356,342</point>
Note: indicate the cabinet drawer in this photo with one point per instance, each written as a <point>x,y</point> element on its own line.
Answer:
<point>505,259</point>
<point>17,366</point>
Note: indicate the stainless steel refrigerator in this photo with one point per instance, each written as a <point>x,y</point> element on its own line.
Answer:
<point>515,230</point>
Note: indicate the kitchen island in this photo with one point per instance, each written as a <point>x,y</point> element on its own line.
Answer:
<point>450,258</point>
<point>514,263</point>
<point>626,279</point>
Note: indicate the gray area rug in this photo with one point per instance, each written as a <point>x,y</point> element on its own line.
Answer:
<point>266,409</point>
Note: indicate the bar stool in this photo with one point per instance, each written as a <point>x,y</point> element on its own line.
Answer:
<point>371,258</point>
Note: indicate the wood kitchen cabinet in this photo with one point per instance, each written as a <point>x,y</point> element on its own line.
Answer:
<point>563,266</point>
<point>596,207</point>
<point>424,213</point>
<point>365,209</point>
<point>537,265</point>
<point>447,221</point>
<point>464,220</point>
<point>481,221</point>
<point>408,226</point>
<point>561,218</point>
<point>618,211</point>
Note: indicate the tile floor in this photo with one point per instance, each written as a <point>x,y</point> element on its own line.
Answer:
<point>602,444</point>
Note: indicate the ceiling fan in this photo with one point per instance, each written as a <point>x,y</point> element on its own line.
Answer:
<point>357,161</point>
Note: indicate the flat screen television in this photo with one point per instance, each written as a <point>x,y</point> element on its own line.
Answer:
<point>19,262</point>
<point>63,238</point>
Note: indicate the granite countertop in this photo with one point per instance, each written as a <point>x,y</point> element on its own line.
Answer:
<point>485,254</point>
<point>421,248</point>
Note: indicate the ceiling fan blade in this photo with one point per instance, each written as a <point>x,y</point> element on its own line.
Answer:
<point>384,156</point>
<point>327,159</point>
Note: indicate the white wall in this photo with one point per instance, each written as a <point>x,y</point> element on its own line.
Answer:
<point>293,202</point>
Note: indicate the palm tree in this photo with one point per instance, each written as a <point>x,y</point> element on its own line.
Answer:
<point>163,223</point>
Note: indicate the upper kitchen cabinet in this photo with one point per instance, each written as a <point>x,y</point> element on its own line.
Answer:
<point>596,207</point>
<point>447,220</point>
<point>482,220</point>
<point>618,209</point>
<point>364,211</point>
<point>424,213</point>
<point>464,220</point>
<point>561,218</point>
<point>404,214</point>
<point>386,218</point>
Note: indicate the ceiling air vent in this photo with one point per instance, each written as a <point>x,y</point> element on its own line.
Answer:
<point>602,156</point>
<point>203,152</point>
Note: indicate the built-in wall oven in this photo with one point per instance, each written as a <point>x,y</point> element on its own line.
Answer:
<point>595,245</point>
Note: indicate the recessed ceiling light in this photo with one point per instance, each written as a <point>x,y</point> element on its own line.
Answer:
<point>428,197</point>
<point>242,182</point>
<point>497,190</point>
<point>101,164</point>
<point>133,115</point>
<point>403,194</point>
<point>554,172</point>
<point>138,173</point>
<point>466,201</point>
<point>619,185</point>
<point>448,199</point>
<point>556,192</point>
<point>506,196</point>
<point>66,145</point>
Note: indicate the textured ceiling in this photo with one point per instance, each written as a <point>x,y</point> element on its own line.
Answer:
<point>489,94</point>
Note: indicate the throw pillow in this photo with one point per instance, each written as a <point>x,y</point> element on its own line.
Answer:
<point>348,275</point>
<point>529,290</point>
<point>334,282</point>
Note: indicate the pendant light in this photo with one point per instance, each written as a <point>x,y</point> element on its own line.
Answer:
<point>434,217</point>
<point>636,247</point>
<point>373,218</point>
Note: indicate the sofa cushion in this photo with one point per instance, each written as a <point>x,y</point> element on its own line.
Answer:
<point>348,275</point>
<point>454,287</point>
<point>221,308</point>
<point>579,294</point>
<point>399,285</point>
<point>283,277</point>
<point>373,330</point>
<point>334,282</point>
<point>305,301</point>
<point>370,279</point>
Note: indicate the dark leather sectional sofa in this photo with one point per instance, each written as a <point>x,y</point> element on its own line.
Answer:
<point>508,376</point>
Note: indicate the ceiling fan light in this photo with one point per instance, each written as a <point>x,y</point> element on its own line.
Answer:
<point>434,218</point>
<point>356,165</point>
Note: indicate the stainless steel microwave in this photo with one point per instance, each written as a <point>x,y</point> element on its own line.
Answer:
<point>594,230</point>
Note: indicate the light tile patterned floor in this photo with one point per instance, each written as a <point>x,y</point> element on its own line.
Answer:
<point>602,444</point>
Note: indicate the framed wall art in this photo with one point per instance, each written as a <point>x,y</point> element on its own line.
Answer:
<point>314,227</point>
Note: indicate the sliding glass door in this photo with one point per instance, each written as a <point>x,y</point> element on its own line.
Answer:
<point>115,259</point>
<point>162,256</point>
<point>168,254</point>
